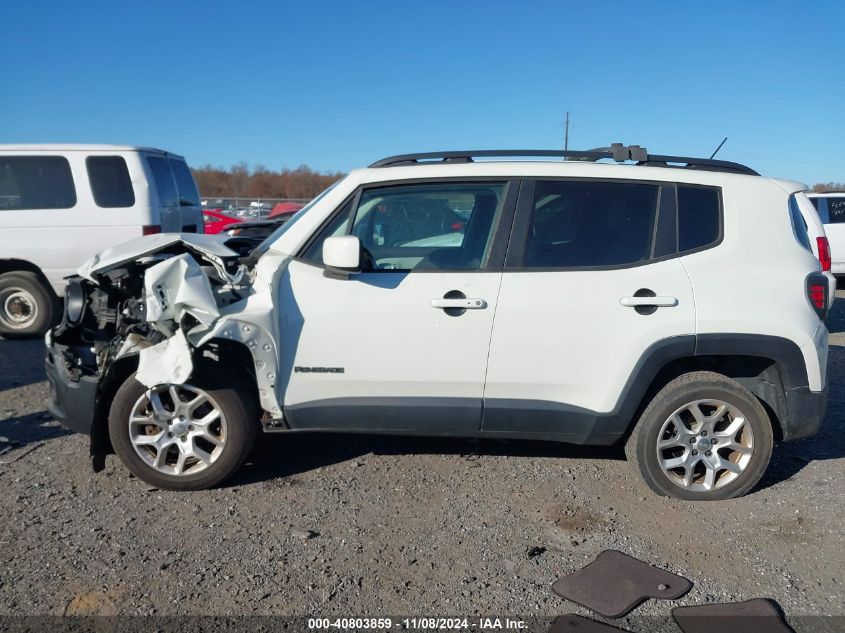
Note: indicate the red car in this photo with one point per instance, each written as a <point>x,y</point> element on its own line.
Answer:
<point>217,221</point>
<point>284,209</point>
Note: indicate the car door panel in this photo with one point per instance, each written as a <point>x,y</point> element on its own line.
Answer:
<point>375,344</point>
<point>388,349</point>
<point>568,345</point>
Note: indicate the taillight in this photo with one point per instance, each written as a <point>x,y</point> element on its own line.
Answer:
<point>151,229</point>
<point>817,296</point>
<point>824,252</point>
<point>817,289</point>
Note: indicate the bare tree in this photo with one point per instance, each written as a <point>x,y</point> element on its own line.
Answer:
<point>829,187</point>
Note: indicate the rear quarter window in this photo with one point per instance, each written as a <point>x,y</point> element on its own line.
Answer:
<point>699,217</point>
<point>36,182</point>
<point>110,181</point>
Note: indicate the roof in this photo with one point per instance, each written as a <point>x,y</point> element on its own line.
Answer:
<point>542,169</point>
<point>75,147</point>
<point>826,194</point>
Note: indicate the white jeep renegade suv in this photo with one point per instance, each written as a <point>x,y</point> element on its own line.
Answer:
<point>567,300</point>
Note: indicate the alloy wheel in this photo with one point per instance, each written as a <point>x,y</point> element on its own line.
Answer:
<point>705,445</point>
<point>177,429</point>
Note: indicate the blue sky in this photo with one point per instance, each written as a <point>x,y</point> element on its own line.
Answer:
<point>337,85</point>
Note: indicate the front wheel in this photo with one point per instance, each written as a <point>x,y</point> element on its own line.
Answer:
<point>184,437</point>
<point>702,437</point>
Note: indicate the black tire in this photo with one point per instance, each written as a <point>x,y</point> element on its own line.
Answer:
<point>27,285</point>
<point>234,399</point>
<point>641,447</point>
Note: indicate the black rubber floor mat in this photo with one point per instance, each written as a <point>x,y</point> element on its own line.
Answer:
<point>759,615</point>
<point>571,623</point>
<point>614,583</point>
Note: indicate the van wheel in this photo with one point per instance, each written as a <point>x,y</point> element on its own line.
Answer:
<point>703,437</point>
<point>184,437</point>
<point>27,306</point>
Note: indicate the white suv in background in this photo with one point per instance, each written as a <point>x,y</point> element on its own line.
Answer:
<point>61,204</point>
<point>670,303</point>
<point>831,209</point>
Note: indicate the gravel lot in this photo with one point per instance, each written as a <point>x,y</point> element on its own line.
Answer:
<point>330,525</point>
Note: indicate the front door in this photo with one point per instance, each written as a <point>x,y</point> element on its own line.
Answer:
<point>403,344</point>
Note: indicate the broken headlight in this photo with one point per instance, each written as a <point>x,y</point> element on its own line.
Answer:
<point>74,302</point>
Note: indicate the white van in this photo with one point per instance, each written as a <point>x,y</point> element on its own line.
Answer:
<point>831,208</point>
<point>60,204</point>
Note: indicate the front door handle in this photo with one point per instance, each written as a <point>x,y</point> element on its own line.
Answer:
<point>647,302</point>
<point>461,304</point>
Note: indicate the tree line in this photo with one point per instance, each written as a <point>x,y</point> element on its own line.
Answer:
<point>829,187</point>
<point>241,181</point>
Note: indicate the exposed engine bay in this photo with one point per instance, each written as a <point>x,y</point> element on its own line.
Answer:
<point>141,304</point>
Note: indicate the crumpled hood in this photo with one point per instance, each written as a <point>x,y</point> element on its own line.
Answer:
<point>211,246</point>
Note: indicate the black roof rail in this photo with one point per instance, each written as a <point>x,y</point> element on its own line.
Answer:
<point>616,151</point>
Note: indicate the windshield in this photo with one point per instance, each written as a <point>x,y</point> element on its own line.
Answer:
<point>262,248</point>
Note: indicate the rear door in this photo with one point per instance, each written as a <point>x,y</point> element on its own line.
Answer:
<point>591,289</point>
<point>190,208</point>
<point>167,196</point>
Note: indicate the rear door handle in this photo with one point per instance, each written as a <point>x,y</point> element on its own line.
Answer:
<point>461,304</point>
<point>640,302</point>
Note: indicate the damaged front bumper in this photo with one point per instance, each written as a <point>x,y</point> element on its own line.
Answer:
<point>73,396</point>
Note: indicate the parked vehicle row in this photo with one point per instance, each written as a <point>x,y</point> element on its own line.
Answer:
<point>674,304</point>
<point>60,204</point>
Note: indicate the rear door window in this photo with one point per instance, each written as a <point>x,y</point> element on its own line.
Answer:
<point>163,178</point>
<point>583,224</point>
<point>110,181</point>
<point>36,182</point>
<point>699,217</point>
<point>185,185</point>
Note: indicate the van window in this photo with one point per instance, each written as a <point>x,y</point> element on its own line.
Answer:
<point>836,210</point>
<point>582,224</point>
<point>110,181</point>
<point>187,188</point>
<point>163,177</point>
<point>36,182</point>
<point>699,217</point>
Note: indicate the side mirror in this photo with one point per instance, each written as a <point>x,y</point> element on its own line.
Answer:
<point>342,255</point>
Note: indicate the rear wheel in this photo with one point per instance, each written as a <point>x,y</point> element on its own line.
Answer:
<point>27,306</point>
<point>703,437</point>
<point>184,437</point>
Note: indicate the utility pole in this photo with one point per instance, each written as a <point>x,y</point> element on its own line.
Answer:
<point>566,133</point>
